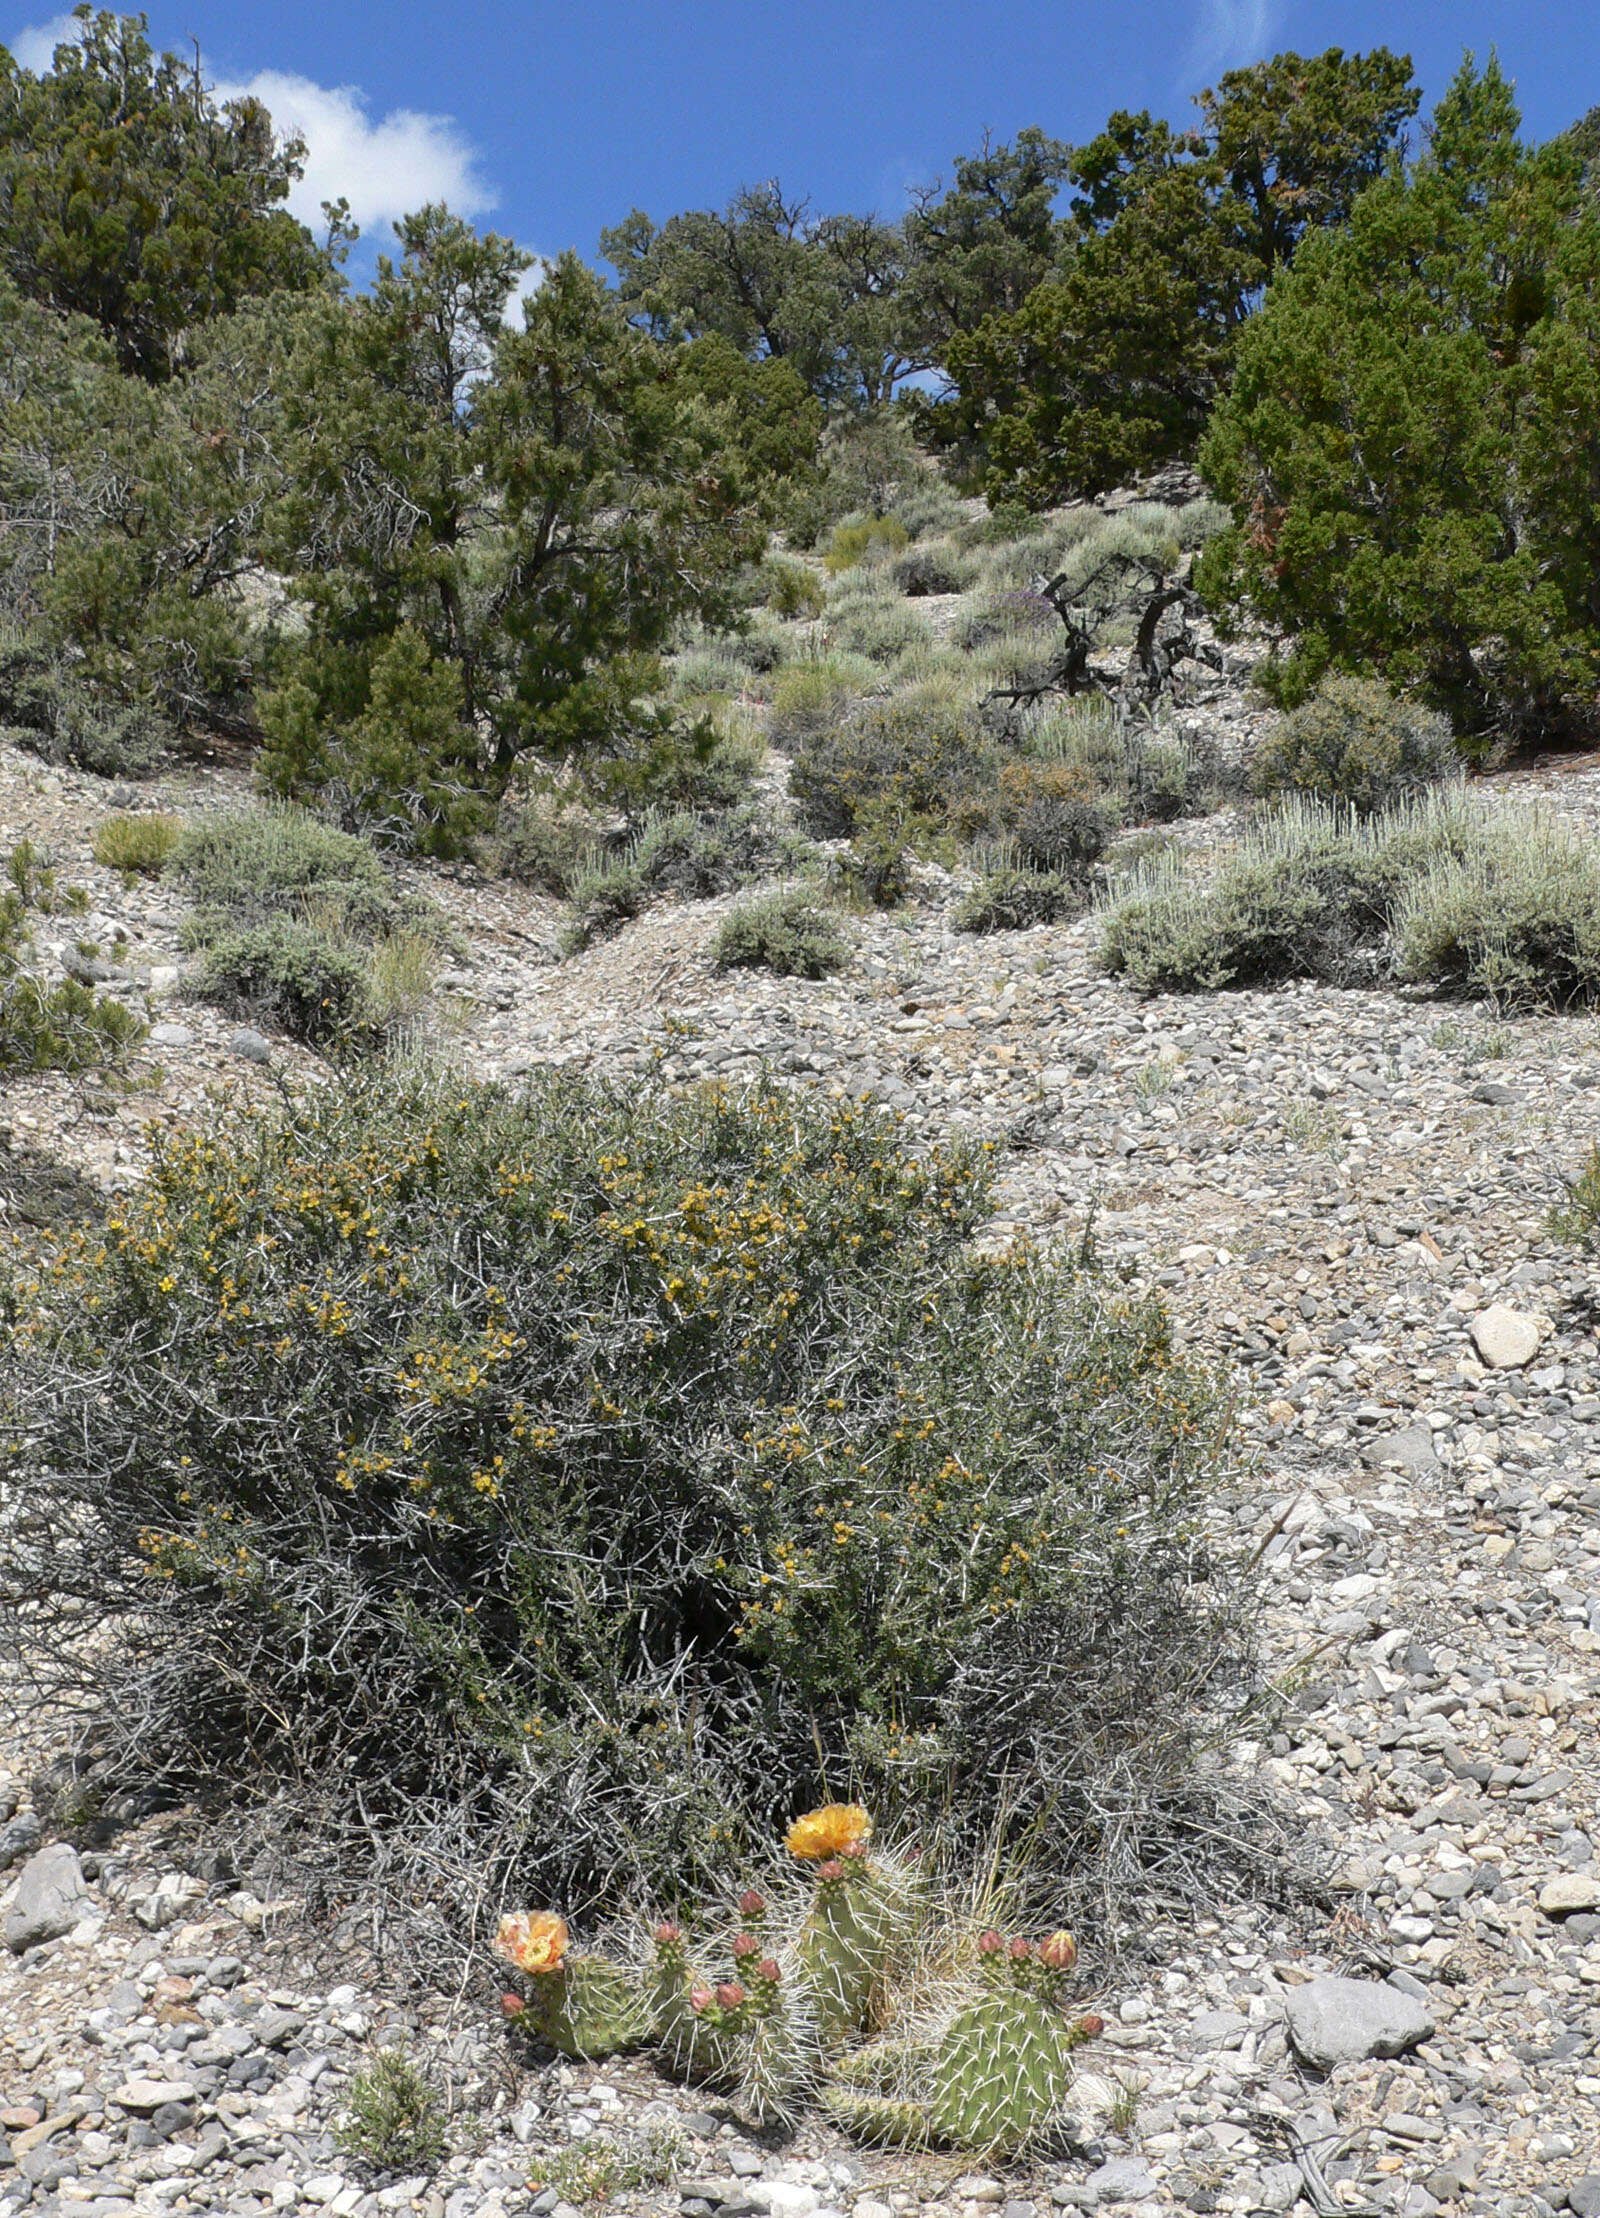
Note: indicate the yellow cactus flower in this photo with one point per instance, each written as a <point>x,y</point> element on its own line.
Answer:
<point>535,1942</point>
<point>830,1831</point>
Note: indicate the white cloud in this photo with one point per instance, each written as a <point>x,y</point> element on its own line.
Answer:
<point>384,167</point>
<point>1229,33</point>
<point>34,46</point>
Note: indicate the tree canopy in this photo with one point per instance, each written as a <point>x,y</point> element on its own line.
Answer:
<point>128,195</point>
<point>1408,443</point>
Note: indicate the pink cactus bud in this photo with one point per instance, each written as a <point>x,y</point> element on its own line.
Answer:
<point>752,1905</point>
<point>854,1850</point>
<point>745,1944</point>
<point>1059,1951</point>
<point>830,1871</point>
<point>1091,2027</point>
<point>668,1935</point>
<point>767,1969</point>
<point>1021,1950</point>
<point>512,2005</point>
<point>729,1994</point>
<point>990,1943</point>
<point>701,1998</point>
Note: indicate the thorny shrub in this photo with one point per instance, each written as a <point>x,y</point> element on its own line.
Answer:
<point>566,1476</point>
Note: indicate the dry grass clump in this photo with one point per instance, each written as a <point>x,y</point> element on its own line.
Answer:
<point>136,844</point>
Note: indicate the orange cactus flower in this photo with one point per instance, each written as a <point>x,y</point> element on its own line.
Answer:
<point>535,1942</point>
<point>835,1830</point>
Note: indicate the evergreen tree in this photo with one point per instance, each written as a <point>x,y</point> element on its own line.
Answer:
<point>129,196</point>
<point>1408,444</point>
<point>1115,359</point>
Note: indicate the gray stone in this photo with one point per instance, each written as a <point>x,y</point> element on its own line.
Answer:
<point>249,1045</point>
<point>20,1838</point>
<point>1505,1338</point>
<point>149,2095</point>
<point>1570,1893</point>
<point>50,1898</point>
<point>171,1035</point>
<point>1125,2179</point>
<point>1583,2196</point>
<point>1412,1449</point>
<point>1341,2021</point>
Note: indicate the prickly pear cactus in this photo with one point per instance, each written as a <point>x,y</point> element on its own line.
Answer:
<point>689,2041</point>
<point>858,1913</point>
<point>996,2077</point>
<point>582,2005</point>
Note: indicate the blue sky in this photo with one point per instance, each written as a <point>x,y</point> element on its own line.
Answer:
<point>550,119</point>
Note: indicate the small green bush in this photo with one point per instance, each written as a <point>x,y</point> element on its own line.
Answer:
<point>1199,521</point>
<point>540,847</point>
<point>393,2117</point>
<point>49,706</point>
<point>573,1473</point>
<point>873,537</point>
<point>678,853</point>
<point>917,757</point>
<point>1515,916</point>
<point>926,570</point>
<point>607,892</point>
<point>792,589</point>
<point>285,973</point>
<point>710,762</point>
<point>1354,741</point>
<point>1041,810</point>
<point>930,510</point>
<point>813,696</point>
<point>877,624</point>
<point>1437,892</point>
<point>874,872</point>
<point>290,919</point>
<point>786,933</point>
<point>1012,900</point>
<point>1309,893</point>
<point>43,1027</point>
<point>258,861</point>
<point>1578,1218</point>
<point>136,843</point>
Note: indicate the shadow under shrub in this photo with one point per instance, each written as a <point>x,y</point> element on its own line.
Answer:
<point>569,1478</point>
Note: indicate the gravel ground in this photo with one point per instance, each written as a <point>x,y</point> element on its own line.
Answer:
<point>1345,1198</point>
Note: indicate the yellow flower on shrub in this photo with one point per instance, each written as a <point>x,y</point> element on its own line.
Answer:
<point>830,1831</point>
<point>535,1941</point>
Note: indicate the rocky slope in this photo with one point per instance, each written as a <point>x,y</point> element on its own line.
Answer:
<point>1344,1196</point>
